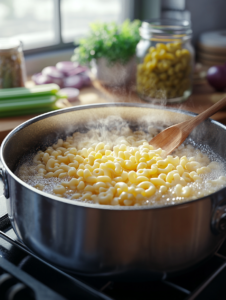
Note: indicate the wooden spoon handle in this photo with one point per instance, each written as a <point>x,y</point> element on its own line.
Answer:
<point>205,114</point>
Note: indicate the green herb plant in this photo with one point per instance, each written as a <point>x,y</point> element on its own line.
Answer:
<point>114,42</point>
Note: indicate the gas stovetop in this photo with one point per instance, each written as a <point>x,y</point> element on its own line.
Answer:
<point>25,276</point>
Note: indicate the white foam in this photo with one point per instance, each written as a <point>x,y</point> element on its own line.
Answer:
<point>99,132</point>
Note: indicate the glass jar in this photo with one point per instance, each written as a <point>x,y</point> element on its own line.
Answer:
<point>165,61</point>
<point>12,66</point>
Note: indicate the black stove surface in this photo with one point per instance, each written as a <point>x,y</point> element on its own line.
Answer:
<point>24,276</point>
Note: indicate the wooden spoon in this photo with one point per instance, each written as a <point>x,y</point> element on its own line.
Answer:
<point>173,136</point>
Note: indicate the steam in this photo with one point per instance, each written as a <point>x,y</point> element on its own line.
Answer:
<point>112,130</point>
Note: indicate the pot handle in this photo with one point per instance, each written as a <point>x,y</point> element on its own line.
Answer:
<point>219,220</point>
<point>5,183</point>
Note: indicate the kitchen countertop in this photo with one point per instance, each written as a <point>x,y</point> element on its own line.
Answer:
<point>203,96</point>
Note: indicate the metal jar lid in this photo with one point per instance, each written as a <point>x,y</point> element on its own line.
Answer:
<point>9,44</point>
<point>166,27</point>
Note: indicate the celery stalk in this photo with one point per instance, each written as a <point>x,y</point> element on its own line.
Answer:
<point>38,90</point>
<point>20,104</point>
<point>33,111</point>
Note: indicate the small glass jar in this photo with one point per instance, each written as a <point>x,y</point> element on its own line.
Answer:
<point>12,66</point>
<point>165,61</point>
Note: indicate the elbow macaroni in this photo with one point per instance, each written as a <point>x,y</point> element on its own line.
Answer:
<point>124,171</point>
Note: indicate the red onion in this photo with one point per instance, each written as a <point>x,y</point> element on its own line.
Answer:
<point>216,77</point>
<point>76,71</point>
<point>53,72</point>
<point>85,78</point>
<point>66,67</point>
<point>39,78</point>
<point>65,74</point>
<point>71,93</point>
<point>73,81</point>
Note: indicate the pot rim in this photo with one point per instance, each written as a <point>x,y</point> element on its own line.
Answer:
<point>90,205</point>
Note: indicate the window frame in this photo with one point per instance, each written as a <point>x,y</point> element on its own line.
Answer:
<point>60,45</point>
<point>36,58</point>
<point>128,5</point>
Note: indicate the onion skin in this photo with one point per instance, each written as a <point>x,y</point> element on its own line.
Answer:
<point>71,93</point>
<point>77,70</point>
<point>41,78</point>
<point>85,78</point>
<point>66,67</point>
<point>216,77</point>
<point>53,72</point>
<point>58,81</point>
<point>65,74</point>
<point>73,81</point>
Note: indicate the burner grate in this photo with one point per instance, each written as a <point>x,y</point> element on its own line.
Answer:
<point>57,281</point>
<point>193,285</point>
<point>11,288</point>
<point>199,283</point>
<point>17,285</point>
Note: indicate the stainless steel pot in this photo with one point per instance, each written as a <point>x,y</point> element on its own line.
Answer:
<point>96,240</point>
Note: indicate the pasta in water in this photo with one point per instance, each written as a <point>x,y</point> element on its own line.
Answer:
<point>122,170</point>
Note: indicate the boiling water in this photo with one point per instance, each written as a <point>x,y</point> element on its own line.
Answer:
<point>121,133</point>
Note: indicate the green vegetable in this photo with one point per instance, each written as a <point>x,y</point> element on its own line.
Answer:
<point>21,104</point>
<point>23,101</point>
<point>39,90</point>
<point>31,111</point>
<point>116,43</point>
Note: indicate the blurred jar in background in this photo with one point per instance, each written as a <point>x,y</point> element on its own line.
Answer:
<point>12,66</point>
<point>165,61</point>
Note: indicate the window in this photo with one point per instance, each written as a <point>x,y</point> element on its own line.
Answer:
<point>51,23</point>
<point>30,21</point>
<point>76,15</point>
